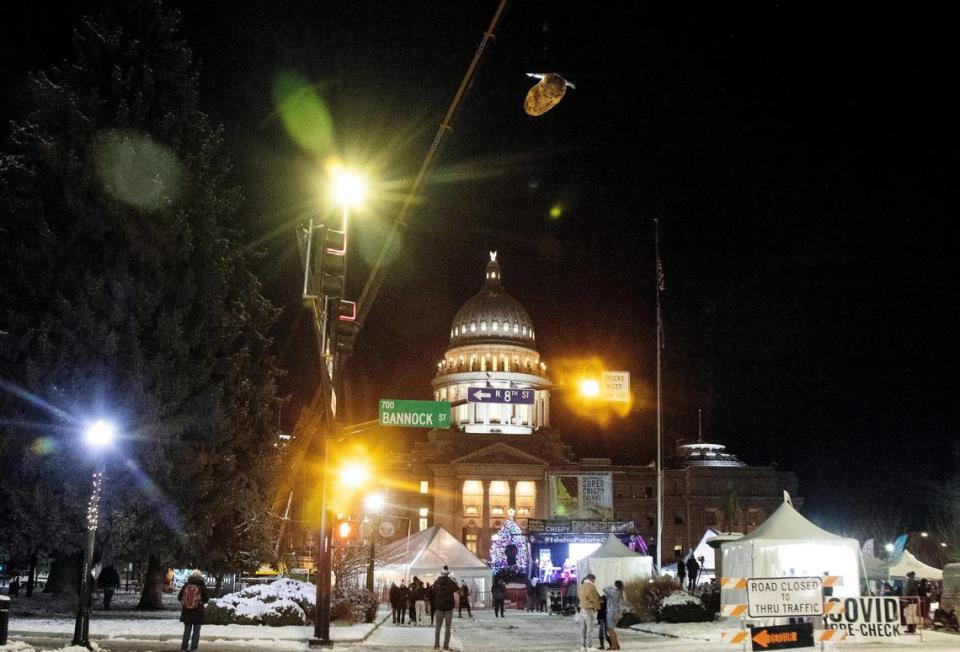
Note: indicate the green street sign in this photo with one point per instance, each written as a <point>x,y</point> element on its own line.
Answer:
<point>414,414</point>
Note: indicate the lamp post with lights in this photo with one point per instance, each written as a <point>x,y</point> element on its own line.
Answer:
<point>347,191</point>
<point>373,504</point>
<point>98,436</point>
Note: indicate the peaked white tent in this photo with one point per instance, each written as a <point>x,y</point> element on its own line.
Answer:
<point>423,555</point>
<point>787,544</point>
<point>614,561</point>
<point>898,570</point>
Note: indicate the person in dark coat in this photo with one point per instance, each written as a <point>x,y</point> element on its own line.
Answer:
<point>403,594</point>
<point>393,600</point>
<point>464,600</point>
<point>681,572</point>
<point>193,595</point>
<point>499,593</point>
<point>14,589</point>
<point>109,581</point>
<point>693,570</point>
<point>445,596</point>
<point>431,601</point>
<point>416,589</point>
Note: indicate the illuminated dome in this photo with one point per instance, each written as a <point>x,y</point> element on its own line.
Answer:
<point>492,315</point>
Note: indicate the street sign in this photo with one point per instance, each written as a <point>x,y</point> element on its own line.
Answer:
<point>500,395</point>
<point>784,597</point>
<point>782,637</point>
<point>414,414</point>
<point>615,386</point>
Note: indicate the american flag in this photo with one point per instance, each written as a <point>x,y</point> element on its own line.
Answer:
<point>661,286</point>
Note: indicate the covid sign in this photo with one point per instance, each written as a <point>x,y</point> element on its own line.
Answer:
<point>866,617</point>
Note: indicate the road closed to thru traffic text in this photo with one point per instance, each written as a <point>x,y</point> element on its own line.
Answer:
<point>784,597</point>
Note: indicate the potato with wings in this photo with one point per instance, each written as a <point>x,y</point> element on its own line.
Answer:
<point>546,93</point>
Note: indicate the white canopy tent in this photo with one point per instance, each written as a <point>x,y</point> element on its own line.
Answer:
<point>787,544</point>
<point>614,561</point>
<point>898,569</point>
<point>423,555</point>
<point>875,568</point>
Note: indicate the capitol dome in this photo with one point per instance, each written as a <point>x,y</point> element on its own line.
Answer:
<point>492,315</point>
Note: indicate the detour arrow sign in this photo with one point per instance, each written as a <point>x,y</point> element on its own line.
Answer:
<point>782,637</point>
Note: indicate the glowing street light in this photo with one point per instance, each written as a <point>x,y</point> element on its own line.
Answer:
<point>348,189</point>
<point>888,547</point>
<point>98,436</point>
<point>354,475</point>
<point>589,387</point>
<point>374,503</point>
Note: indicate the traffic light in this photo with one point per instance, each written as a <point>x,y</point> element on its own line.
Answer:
<point>346,327</point>
<point>333,263</point>
<point>344,531</point>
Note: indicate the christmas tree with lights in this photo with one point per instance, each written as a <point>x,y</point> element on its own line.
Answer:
<point>509,550</point>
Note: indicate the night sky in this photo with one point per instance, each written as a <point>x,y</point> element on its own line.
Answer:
<point>801,159</point>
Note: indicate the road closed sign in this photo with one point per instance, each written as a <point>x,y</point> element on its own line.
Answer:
<point>784,597</point>
<point>866,617</point>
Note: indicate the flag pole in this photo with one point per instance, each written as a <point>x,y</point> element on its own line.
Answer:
<point>659,273</point>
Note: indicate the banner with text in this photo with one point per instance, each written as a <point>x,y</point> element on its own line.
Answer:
<point>583,495</point>
<point>867,617</point>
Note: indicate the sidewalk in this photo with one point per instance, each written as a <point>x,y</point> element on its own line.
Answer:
<point>166,629</point>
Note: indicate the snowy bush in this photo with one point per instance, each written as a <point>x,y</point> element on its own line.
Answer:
<point>644,596</point>
<point>282,602</point>
<point>352,604</point>
<point>681,607</point>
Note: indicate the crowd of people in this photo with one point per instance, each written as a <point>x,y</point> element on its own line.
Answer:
<point>412,604</point>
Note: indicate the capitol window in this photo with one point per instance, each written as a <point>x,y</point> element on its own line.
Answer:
<point>516,327</point>
<point>496,325</point>
<point>473,327</point>
<point>524,331</point>
<point>483,325</point>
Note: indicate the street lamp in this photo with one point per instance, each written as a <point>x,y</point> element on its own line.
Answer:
<point>98,436</point>
<point>588,387</point>
<point>373,504</point>
<point>347,191</point>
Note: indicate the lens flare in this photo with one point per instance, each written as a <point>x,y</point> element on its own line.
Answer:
<point>304,114</point>
<point>134,169</point>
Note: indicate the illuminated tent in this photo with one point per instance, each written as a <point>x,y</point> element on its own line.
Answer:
<point>786,545</point>
<point>424,553</point>
<point>614,561</point>
<point>875,568</point>
<point>898,570</point>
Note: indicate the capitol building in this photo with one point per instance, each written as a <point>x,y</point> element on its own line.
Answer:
<point>503,459</point>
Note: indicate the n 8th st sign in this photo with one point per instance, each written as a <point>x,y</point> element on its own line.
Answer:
<point>414,414</point>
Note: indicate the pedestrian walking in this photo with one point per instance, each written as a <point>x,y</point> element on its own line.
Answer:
<point>499,593</point>
<point>403,594</point>
<point>431,600</point>
<point>419,604</point>
<point>193,596</point>
<point>464,600</point>
<point>416,586</point>
<point>681,572</point>
<point>589,607</point>
<point>614,595</point>
<point>602,621</point>
<point>543,597</point>
<point>14,588</point>
<point>393,600</point>
<point>445,597</point>
<point>693,569</point>
<point>911,589</point>
<point>109,582</point>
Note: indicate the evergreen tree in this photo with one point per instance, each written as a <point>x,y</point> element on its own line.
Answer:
<point>127,291</point>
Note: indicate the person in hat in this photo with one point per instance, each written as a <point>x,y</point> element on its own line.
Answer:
<point>446,596</point>
<point>193,595</point>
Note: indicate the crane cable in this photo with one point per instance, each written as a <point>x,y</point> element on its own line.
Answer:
<point>375,280</point>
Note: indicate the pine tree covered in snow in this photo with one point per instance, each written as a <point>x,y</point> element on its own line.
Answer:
<point>127,292</point>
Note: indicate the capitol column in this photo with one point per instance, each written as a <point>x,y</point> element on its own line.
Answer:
<point>513,495</point>
<point>483,541</point>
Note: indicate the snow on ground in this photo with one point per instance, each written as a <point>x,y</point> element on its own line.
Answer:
<point>170,629</point>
